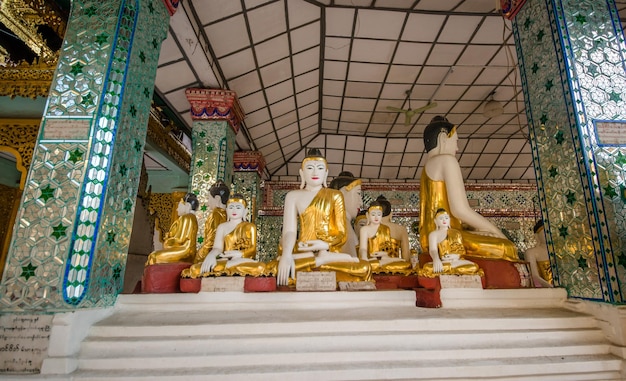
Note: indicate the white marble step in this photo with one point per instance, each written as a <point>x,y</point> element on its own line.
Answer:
<point>542,368</point>
<point>342,336</point>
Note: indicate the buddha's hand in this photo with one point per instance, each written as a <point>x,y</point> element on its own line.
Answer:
<point>230,254</point>
<point>209,262</point>
<point>437,266</point>
<point>380,254</point>
<point>286,269</point>
<point>313,245</point>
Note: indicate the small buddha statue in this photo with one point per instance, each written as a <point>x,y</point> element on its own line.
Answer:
<point>350,188</point>
<point>180,241</point>
<point>321,212</point>
<point>399,234</point>
<point>538,259</point>
<point>234,250</point>
<point>375,245</point>
<point>442,187</point>
<point>447,251</point>
<point>216,205</point>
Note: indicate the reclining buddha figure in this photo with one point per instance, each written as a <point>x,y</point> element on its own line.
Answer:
<point>216,215</point>
<point>234,250</point>
<point>180,241</point>
<point>375,245</point>
<point>350,188</point>
<point>442,187</point>
<point>322,234</point>
<point>447,251</point>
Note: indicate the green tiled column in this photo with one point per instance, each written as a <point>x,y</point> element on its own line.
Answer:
<point>216,117</point>
<point>249,166</point>
<point>571,56</point>
<point>71,235</point>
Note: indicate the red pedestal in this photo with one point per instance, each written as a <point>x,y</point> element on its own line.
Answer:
<point>162,278</point>
<point>190,285</point>
<point>503,274</point>
<point>408,282</point>
<point>428,295</point>
<point>260,284</point>
<point>498,273</point>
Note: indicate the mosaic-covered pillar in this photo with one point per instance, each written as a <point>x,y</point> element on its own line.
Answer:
<point>247,179</point>
<point>72,231</point>
<point>216,117</point>
<point>571,56</point>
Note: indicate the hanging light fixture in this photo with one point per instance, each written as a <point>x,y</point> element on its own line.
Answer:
<point>492,107</point>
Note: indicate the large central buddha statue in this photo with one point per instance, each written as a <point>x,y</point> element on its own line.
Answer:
<point>317,244</point>
<point>442,187</point>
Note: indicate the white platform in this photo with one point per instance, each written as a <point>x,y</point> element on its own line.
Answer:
<point>377,335</point>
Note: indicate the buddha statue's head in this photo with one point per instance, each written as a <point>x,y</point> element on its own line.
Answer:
<point>219,193</point>
<point>375,213</point>
<point>442,219</point>
<point>187,204</point>
<point>236,207</point>
<point>314,169</point>
<point>382,200</point>
<point>359,221</point>
<point>440,136</point>
<point>350,187</point>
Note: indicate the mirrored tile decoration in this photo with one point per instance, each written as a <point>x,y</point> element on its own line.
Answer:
<point>212,160</point>
<point>571,61</point>
<point>248,184</point>
<point>71,236</point>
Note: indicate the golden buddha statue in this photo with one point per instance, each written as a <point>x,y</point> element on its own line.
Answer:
<point>234,249</point>
<point>442,187</point>
<point>216,203</point>
<point>375,245</point>
<point>180,241</point>
<point>399,234</point>
<point>350,188</point>
<point>322,233</point>
<point>447,251</point>
<point>539,260</point>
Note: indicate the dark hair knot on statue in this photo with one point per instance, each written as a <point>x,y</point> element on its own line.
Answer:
<point>436,126</point>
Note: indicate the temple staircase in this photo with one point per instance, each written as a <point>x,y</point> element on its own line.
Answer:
<point>373,335</point>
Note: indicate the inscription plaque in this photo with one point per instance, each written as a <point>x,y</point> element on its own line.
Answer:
<point>222,284</point>
<point>24,342</point>
<point>66,129</point>
<point>460,281</point>
<point>316,281</point>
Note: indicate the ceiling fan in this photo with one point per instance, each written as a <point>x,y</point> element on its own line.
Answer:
<point>409,113</point>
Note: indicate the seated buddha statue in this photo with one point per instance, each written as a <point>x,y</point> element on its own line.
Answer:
<point>234,250</point>
<point>375,245</point>
<point>216,215</point>
<point>321,213</point>
<point>538,259</point>
<point>399,234</point>
<point>350,188</point>
<point>180,241</point>
<point>442,187</point>
<point>447,251</point>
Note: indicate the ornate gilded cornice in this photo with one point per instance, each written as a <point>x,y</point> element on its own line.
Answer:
<point>24,80</point>
<point>159,135</point>
<point>23,16</point>
<point>215,104</point>
<point>19,136</point>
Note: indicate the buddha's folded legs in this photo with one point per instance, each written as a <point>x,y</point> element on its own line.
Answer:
<point>482,246</point>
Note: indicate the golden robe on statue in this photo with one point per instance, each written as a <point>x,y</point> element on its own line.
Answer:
<point>242,238</point>
<point>180,242</point>
<point>214,219</point>
<point>433,197</point>
<point>382,241</point>
<point>324,219</point>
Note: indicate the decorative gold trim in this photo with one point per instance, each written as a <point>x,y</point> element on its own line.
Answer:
<point>24,80</point>
<point>160,135</point>
<point>19,136</point>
